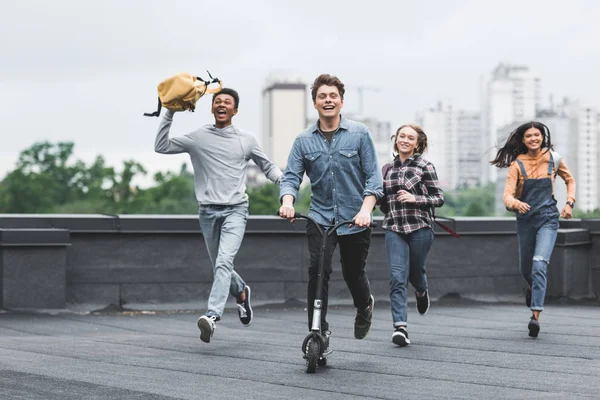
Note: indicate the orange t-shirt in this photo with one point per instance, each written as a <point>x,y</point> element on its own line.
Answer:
<point>536,168</point>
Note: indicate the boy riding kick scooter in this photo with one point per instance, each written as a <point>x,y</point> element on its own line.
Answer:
<point>315,346</point>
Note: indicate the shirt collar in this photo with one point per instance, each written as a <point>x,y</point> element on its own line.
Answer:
<point>343,125</point>
<point>413,157</point>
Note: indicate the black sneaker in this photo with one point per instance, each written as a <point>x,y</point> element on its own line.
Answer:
<point>400,337</point>
<point>362,322</point>
<point>245,309</point>
<point>207,325</point>
<point>423,302</point>
<point>528,297</point>
<point>534,327</point>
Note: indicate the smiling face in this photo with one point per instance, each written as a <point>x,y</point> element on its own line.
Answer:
<point>328,101</point>
<point>407,141</point>
<point>223,108</point>
<point>533,139</point>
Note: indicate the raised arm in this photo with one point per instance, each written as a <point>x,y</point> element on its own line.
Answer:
<point>165,145</point>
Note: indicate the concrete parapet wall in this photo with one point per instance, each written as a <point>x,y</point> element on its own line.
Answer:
<point>50,260</point>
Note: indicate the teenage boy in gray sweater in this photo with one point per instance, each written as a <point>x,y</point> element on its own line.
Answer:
<point>220,153</point>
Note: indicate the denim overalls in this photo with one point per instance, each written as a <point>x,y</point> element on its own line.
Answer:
<point>536,233</point>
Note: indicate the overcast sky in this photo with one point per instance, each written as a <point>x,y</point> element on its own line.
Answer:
<point>85,70</point>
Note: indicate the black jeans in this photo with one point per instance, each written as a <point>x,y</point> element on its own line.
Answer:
<point>354,250</point>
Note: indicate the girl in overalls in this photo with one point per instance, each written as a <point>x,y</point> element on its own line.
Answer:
<point>529,191</point>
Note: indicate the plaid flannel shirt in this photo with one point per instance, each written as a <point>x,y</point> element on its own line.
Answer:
<point>418,177</point>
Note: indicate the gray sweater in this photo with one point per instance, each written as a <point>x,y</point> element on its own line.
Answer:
<point>219,157</point>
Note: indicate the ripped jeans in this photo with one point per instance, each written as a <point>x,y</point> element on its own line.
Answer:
<point>536,235</point>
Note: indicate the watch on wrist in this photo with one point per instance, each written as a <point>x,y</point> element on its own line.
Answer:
<point>570,204</point>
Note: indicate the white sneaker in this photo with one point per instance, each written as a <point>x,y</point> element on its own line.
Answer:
<point>207,325</point>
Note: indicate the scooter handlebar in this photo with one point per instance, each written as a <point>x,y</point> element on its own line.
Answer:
<point>300,215</point>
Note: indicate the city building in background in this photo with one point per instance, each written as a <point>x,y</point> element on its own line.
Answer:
<point>441,126</point>
<point>586,163</point>
<point>470,152</point>
<point>284,115</point>
<point>454,145</point>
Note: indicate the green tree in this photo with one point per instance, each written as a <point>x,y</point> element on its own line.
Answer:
<point>264,200</point>
<point>172,194</point>
<point>475,209</point>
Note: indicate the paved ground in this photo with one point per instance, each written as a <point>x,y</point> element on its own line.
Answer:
<point>458,351</point>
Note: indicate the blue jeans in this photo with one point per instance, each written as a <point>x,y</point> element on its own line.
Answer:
<point>536,235</point>
<point>223,228</point>
<point>407,255</point>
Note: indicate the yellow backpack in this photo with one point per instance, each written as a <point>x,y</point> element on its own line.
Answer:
<point>182,91</point>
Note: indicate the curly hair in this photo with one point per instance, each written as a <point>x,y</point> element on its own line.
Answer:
<point>421,139</point>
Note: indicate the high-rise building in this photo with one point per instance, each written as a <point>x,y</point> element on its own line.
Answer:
<point>470,153</point>
<point>440,124</point>
<point>454,144</point>
<point>587,161</point>
<point>284,115</point>
<point>511,94</point>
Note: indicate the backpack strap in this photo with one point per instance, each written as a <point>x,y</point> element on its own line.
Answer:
<point>155,113</point>
<point>443,226</point>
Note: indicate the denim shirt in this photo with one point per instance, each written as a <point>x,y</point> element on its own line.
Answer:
<point>341,173</point>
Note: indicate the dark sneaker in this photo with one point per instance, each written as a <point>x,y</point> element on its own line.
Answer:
<point>528,297</point>
<point>327,351</point>
<point>534,327</point>
<point>207,325</point>
<point>400,337</point>
<point>362,322</point>
<point>423,302</point>
<point>245,309</point>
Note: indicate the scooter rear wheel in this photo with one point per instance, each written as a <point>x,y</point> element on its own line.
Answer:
<point>312,356</point>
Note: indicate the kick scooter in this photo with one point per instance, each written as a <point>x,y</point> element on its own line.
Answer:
<point>316,346</point>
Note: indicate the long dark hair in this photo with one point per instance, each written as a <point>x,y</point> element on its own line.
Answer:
<point>514,144</point>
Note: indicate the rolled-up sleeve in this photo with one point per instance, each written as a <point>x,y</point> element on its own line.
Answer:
<point>293,174</point>
<point>370,167</point>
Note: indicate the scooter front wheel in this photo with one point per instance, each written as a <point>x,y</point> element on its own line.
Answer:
<point>312,356</point>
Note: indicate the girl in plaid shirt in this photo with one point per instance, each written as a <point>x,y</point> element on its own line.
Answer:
<point>411,189</point>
